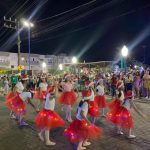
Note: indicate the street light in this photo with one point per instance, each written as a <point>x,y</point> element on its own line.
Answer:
<point>135,66</point>
<point>44,65</point>
<point>74,61</point>
<point>22,58</point>
<point>124,53</point>
<point>61,67</point>
<point>28,25</point>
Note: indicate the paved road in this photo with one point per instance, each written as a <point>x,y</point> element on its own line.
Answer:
<point>14,138</point>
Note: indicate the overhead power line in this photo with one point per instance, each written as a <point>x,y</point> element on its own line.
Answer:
<point>79,29</point>
<point>67,11</point>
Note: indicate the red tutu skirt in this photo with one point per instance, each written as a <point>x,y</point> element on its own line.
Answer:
<point>114,104</point>
<point>79,130</point>
<point>48,119</point>
<point>101,101</point>
<point>11,95</point>
<point>16,105</point>
<point>93,109</point>
<point>41,96</point>
<point>121,117</point>
<point>67,98</point>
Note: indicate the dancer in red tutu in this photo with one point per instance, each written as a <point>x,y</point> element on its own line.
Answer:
<point>100,98</point>
<point>121,115</point>
<point>17,89</point>
<point>47,118</point>
<point>18,105</point>
<point>41,91</point>
<point>81,130</point>
<point>68,98</point>
<point>93,107</point>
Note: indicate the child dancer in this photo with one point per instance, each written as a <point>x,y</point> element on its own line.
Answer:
<point>41,91</point>
<point>100,98</point>
<point>18,105</point>
<point>68,98</point>
<point>16,90</point>
<point>122,115</point>
<point>93,107</point>
<point>81,130</point>
<point>47,118</point>
<point>114,105</point>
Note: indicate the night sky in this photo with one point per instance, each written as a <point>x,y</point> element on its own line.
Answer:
<point>91,30</point>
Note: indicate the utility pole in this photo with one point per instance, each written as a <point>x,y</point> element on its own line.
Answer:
<point>15,25</point>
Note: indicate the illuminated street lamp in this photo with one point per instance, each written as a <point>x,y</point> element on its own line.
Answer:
<point>61,67</point>
<point>124,52</point>
<point>28,25</point>
<point>74,61</point>
<point>44,65</point>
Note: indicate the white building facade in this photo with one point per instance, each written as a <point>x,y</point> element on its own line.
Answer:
<point>10,60</point>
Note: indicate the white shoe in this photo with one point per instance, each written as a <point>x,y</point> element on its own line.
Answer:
<point>41,137</point>
<point>81,148</point>
<point>50,143</point>
<point>120,132</point>
<point>146,97</point>
<point>86,143</point>
<point>13,117</point>
<point>131,136</point>
<point>70,120</point>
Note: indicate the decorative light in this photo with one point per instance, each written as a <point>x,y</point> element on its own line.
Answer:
<point>27,23</point>
<point>74,60</point>
<point>44,65</point>
<point>22,58</point>
<point>124,51</point>
<point>60,66</point>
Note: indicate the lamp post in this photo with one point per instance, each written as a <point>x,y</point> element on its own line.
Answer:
<point>124,53</point>
<point>60,68</point>
<point>28,25</point>
<point>74,62</point>
<point>44,66</point>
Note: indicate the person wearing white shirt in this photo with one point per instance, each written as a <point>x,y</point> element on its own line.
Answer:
<point>47,119</point>
<point>100,98</point>
<point>81,128</point>
<point>42,91</point>
<point>26,98</point>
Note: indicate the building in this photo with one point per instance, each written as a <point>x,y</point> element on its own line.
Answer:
<point>10,61</point>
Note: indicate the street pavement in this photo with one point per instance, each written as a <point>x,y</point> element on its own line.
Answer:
<point>12,137</point>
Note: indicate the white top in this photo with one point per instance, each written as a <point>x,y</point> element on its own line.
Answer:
<point>25,95</point>
<point>6,83</point>
<point>122,96</point>
<point>50,103</point>
<point>126,104</point>
<point>43,86</point>
<point>100,90</point>
<point>19,87</point>
<point>91,97</point>
<point>83,108</point>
